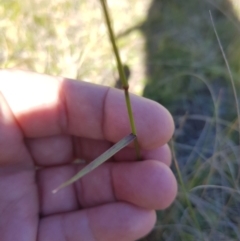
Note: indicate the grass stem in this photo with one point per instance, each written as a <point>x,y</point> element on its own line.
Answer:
<point>121,72</point>
<point>185,193</point>
<point>229,72</point>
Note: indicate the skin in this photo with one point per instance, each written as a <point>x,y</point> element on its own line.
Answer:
<point>49,122</point>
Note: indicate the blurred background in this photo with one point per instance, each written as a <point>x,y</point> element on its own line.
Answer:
<point>172,56</point>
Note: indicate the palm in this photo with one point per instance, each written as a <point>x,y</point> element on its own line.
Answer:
<point>43,124</point>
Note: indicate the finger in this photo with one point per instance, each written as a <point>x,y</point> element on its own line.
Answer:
<point>11,139</point>
<point>89,149</point>
<point>45,106</point>
<point>118,222</point>
<point>148,184</point>
<point>17,185</point>
<point>56,150</point>
<point>154,123</point>
<point>162,154</point>
<point>52,150</point>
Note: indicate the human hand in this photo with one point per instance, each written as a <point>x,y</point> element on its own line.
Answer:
<point>49,122</point>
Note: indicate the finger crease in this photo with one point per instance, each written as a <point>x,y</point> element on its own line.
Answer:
<point>81,198</point>
<point>63,111</point>
<point>104,111</point>
<point>112,182</point>
<point>90,226</point>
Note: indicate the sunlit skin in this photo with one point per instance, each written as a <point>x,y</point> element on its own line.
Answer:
<point>49,122</point>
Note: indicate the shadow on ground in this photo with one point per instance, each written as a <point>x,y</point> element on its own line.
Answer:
<point>187,74</point>
<point>184,60</point>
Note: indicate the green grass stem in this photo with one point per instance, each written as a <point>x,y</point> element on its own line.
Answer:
<point>228,201</point>
<point>229,71</point>
<point>184,189</point>
<point>121,72</point>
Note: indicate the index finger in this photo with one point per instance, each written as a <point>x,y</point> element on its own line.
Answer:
<point>46,106</point>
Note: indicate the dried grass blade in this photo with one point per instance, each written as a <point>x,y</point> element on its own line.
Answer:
<point>99,160</point>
